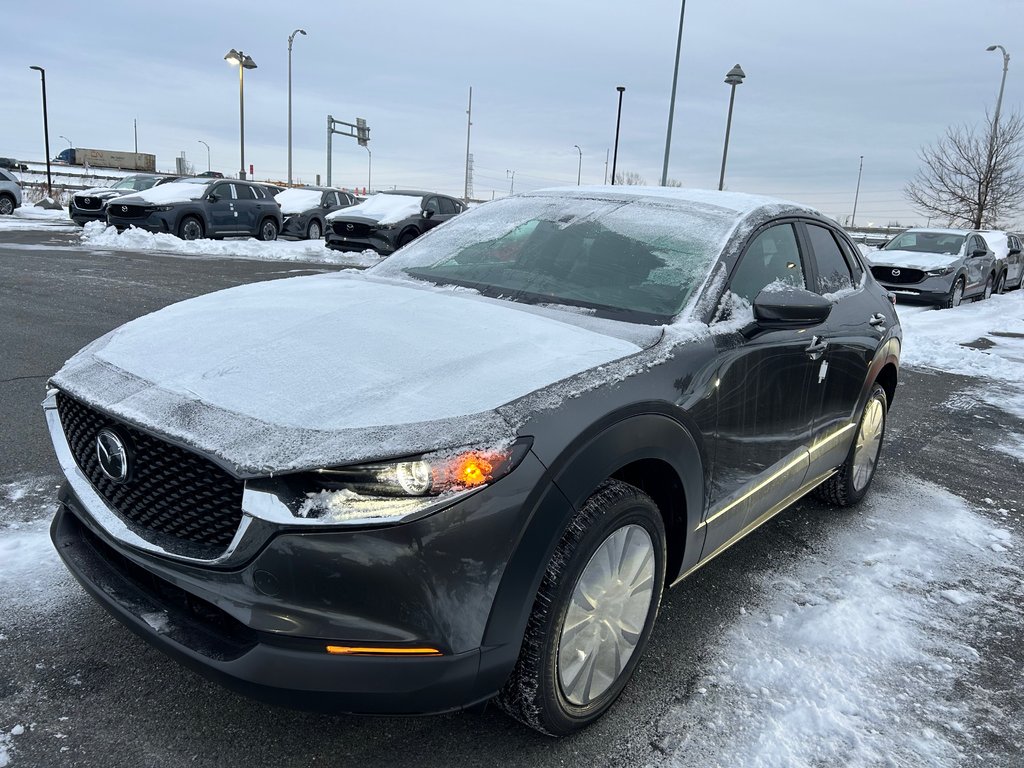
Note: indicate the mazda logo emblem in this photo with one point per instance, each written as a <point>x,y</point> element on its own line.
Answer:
<point>124,209</point>
<point>88,200</point>
<point>112,455</point>
<point>349,227</point>
<point>895,273</point>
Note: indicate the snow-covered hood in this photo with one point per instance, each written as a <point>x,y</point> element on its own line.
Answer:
<point>912,259</point>
<point>314,371</point>
<point>105,192</point>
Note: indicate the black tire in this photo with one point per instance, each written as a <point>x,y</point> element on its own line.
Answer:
<point>267,230</point>
<point>315,231</point>
<point>987,292</point>
<point>1000,284</point>
<point>407,237</point>
<point>7,204</point>
<point>956,294</point>
<point>848,486</point>
<point>191,228</point>
<point>534,694</point>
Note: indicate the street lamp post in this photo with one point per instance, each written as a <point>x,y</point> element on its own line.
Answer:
<point>369,168</point>
<point>208,165</point>
<point>856,195</point>
<point>46,132</point>
<point>511,175</point>
<point>672,98</point>
<point>243,63</point>
<point>733,78</point>
<point>70,145</point>
<point>579,168</point>
<point>618,122</point>
<point>291,37</point>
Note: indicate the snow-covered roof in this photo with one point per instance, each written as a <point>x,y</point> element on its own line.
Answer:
<point>298,200</point>
<point>172,192</point>
<point>738,202</point>
<point>997,242</point>
<point>383,207</point>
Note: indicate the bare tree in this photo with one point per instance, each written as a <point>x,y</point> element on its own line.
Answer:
<point>971,177</point>
<point>630,178</point>
<point>673,183</point>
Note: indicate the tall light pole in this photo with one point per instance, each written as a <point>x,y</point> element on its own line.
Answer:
<point>70,145</point>
<point>618,122</point>
<point>672,98</point>
<point>511,175</point>
<point>1002,85</point>
<point>579,168</point>
<point>369,168</point>
<point>208,166</point>
<point>856,196</point>
<point>46,132</point>
<point>469,127</point>
<point>243,62</point>
<point>733,78</point>
<point>291,37</point>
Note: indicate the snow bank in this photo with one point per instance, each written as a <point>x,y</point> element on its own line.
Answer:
<point>298,200</point>
<point>383,208</point>
<point>30,217</point>
<point>861,654</point>
<point>98,235</point>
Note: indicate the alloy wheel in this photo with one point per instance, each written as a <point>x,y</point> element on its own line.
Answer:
<point>869,443</point>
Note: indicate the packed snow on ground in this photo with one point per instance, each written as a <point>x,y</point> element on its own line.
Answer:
<point>98,235</point>
<point>383,208</point>
<point>28,572</point>
<point>31,217</point>
<point>298,200</point>
<point>864,652</point>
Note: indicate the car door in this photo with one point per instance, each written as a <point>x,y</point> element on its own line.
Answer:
<point>432,205</point>
<point>766,402</point>
<point>1014,260</point>
<point>248,208</point>
<point>851,335</point>
<point>221,210</point>
<point>978,267</point>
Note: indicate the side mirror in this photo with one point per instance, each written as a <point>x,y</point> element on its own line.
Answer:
<point>325,205</point>
<point>427,214</point>
<point>213,197</point>
<point>979,253</point>
<point>1013,252</point>
<point>786,307</point>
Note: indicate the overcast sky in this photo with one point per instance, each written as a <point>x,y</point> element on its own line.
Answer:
<point>827,81</point>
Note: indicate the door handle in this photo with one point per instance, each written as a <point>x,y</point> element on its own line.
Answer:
<point>816,348</point>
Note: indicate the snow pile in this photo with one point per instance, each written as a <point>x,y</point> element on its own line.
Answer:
<point>172,192</point>
<point>98,235</point>
<point>298,200</point>
<point>383,208</point>
<point>30,217</point>
<point>30,572</point>
<point>863,654</point>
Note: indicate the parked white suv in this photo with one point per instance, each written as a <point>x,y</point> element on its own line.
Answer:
<point>10,192</point>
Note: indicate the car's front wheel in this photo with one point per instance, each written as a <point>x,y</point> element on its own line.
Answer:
<point>267,230</point>
<point>956,295</point>
<point>315,231</point>
<point>987,293</point>
<point>849,484</point>
<point>1000,284</point>
<point>190,228</point>
<point>7,204</point>
<point>407,237</point>
<point>593,613</point>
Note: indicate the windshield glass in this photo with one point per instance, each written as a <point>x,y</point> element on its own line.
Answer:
<point>636,260</point>
<point>948,243</point>
<point>136,183</point>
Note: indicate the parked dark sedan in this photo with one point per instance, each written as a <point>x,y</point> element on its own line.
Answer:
<point>91,204</point>
<point>305,208</point>
<point>388,220</point>
<point>470,471</point>
<point>195,207</point>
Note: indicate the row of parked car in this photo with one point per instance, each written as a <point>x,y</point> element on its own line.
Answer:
<point>196,207</point>
<point>946,266</point>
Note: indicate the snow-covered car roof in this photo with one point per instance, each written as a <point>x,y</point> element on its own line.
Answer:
<point>174,192</point>
<point>298,200</point>
<point>737,202</point>
<point>997,242</point>
<point>384,207</point>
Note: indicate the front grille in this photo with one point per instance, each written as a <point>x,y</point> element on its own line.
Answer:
<point>169,490</point>
<point>898,275</point>
<point>357,230</point>
<point>88,203</point>
<point>127,211</point>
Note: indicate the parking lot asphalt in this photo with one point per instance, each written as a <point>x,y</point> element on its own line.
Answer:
<point>89,693</point>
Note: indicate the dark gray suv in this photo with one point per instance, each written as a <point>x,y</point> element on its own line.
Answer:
<point>197,208</point>
<point>90,204</point>
<point>389,220</point>
<point>938,266</point>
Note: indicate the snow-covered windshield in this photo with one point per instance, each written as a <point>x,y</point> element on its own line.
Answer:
<point>632,259</point>
<point>948,243</point>
<point>384,208</point>
<point>137,183</point>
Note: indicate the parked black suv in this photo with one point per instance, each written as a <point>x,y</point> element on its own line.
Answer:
<point>389,220</point>
<point>198,207</point>
<point>91,204</point>
<point>305,208</point>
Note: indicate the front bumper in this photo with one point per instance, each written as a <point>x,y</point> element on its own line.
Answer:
<point>82,216</point>
<point>157,221</point>
<point>379,243</point>
<point>259,619</point>
<point>933,290</point>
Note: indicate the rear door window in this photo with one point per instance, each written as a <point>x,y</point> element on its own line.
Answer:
<point>833,272</point>
<point>244,192</point>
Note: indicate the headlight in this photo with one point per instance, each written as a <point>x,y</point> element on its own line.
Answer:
<point>163,208</point>
<point>939,272</point>
<point>383,226</point>
<point>388,491</point>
